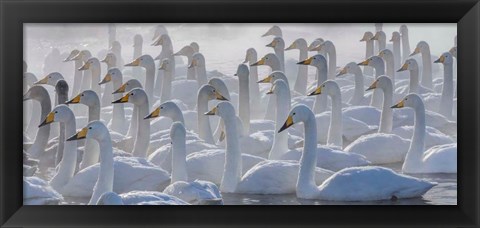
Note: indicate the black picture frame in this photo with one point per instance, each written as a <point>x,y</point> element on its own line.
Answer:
<point>13,13</point>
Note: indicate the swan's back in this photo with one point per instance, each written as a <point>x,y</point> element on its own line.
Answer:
<point>441,159</point>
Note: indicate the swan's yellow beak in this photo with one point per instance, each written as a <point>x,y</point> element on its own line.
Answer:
<point>364,63</point>
<point>416,51</point>
<point>292,46</point>
<point>158,42</point>
<point>211,112</point>
<point>154,114</point>
<point>272,44</point>
<point>287,124</point>
<point>219,96</point>
<point>270,91</point>
<point>404,67</point>
<point>107,78</point>
<point>77,57</point>
<point>268,79</point>
<point>135,62</point>
<point>43,81</point>
<point>104,60</point>
<point>80,135</point>
<point>440,60</point>
<point>259,62</point>
<point>374,37</point>
<point>124,99</point>
<point>121,89</point>
<point>193,63</point>
<point>342,72</point>
<point>163,66</point>
<point>373,85</point>
<point>381,54</point>
<point>306,61</point>
<point>75,100</point>
<point>400,104</point>
<point>49,119</point>
<point>317,91</point>
<point>85,66</point>
<point>318,48</point>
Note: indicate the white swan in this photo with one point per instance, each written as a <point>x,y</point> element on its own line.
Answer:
<point>369,183</point>
<point>320,63</point>
<point>446,101</point>
<point>39,94</point>
<point>111,61</point>
<point>137,52</point>
<point>367,38</point>
<point>254,180</point>
<point>146,61</point>
<point>397,54</point>
<point>388,58</point>
<point>438,159</point>
<point>379,65</point>
<point>381,39</point>
<point>331,52</point>
<point>278,46</point>
<point>93,64</point>
<point>198,191</point>
<point>274,63</point>
<point>198,63</point>
<point>77,75</point>
<point>302,73</point>
<point>117,122</point>
<point>414,85</point>
<point>424,49</point>
<point>119,174</point>
<point>358,97</point>
<point>167,52</point>
<point>139,198</point>
<point>30,107</point>
<point>188,52</point>
<point>405,42</point>
<point>37,192</point>
<point>273,31</point>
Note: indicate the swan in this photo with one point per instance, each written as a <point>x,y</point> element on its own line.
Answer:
<point>37,192</point>
<point>167,52</point>
<point>137,52</point>
<point>414,86</point>
<point>188,52</point>
<point>117,122</point>
<point>77,76</point>
<point>369,183</point>
<point>264,177</point>
<point>51,79</point>
<point>367,38</point>
<point>331,52</point>
<point>389,60</point>
<point>195,46</point>
<point>39,94</point>
<point>315,43</point>
<point>405,42</point>
<point>84,56</point>
<point>278,46</point>
<point>61,89</point>
<point>147,62</point>
<point>319,62</point>
<point>198,63</point>
<point>424,49</point>
<point>381,147</point>
<point>139,198</point>
<point>438,159</point>
<point>302,73</point>
<point>397,55</point>
<point>358,97</point>
<point>378,64</point>
<point>273,62</point>
<point>273,31</point>
<point>446,101</point>
<point>206,93</point>
<point>167,67</point>
<point>93,64</point>
<point>381,39</point>
<point>112,34</point>
<point>119,174</point>
<point>158,31</point>
<point>111,61</point>
<point>117,49</point>
<point>30,107</point>
<point>280,140</point>
<point>250,58</point>
<point>198,191</point>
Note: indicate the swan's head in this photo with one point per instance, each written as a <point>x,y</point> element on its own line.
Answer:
<point>278,87</point>
<point>129,85</point>
<point>36,92</point>
<point>163,39</point>
<point>385,53</point>
<point>412,100</point>
<point>453,51</point>
<point>317,60</point>
<point>83,55</point>
<point>61,113</point>
<point>315,43</point>
<point>273,31</point>
<point>380,35</point>
<point>72,54</point>
<point>50,79</point>
<point>135,96</point>
<point>111,73</point>
<point>242,71</point>
<point>372,61</point>
<point>29,78</point>
<point>299,113</point>
<point>195,46</point>
<point>177,131</point>
<point>137,40</point>
<point>168,108</point>
<point>348,69</point>
<point>395,37</point>
<point>367,36</point>
<point>61,87</point>
<point>87,97</point>
<point>410,64</point>
<point>251,54</point>
<point>223,109</point>
<point>110,58</point>
<point>110,198</point>
<point>166,65</point>
<point>197,60</point>
<point>276,42</point>
<point>421,46</point>
<point>381,82</point>
<point>159,30</point>
<point>329,87</point>
<point>297,44</point>
<point>185,51</point>
<point>94,130</point>
<point>445,58</point>
<point>90,64</point>
<point>142,61</point>
<point>116,47</point>
<point>268,59</point>
<point>275,75</point>
<point>403,29</point>
<point>218,84</point>
<point>323,46</point>
<point>211,93</point>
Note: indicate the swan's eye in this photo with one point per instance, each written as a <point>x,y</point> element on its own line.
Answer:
<point>56,111</point>
<point>90,128</point>
<point>406,98</point>
<point>161,107</point>
<point>293,114</point>
<point>83,94</point>
<point>127,84</point>
<point>49,76</point>
<point>131,94</point>
<point>141,59</point>
<point>214,91</point>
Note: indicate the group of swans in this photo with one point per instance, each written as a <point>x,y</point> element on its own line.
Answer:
<point>125,153</point>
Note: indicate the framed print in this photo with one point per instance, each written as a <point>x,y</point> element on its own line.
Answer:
<point>242,114</point>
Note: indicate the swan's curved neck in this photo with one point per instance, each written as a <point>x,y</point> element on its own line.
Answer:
<point>417,146</point>
<point>179,162</point>
<point>320,103</point>
<point>390,67</point>
<point>376,100</point>
<point>396,54</point>
<point>306,177</point>
<point>201,71</point>
<point>149,80</point>
<point>254,87</point>
<point>61,99</point>
<point>204,129</point>
<point>94,111</point>
<point>379,69</point>
<point>118,113</point>
<point>446,100</point>
<point>335,129</point>
<point>332,62</point>
<point>275,65</point>
<point>406,46</point>
<point>132,129</point>
<point>142,141</point>
<point>105,175</point>
<point>414,81</point>
<point>166,86</point>
<point>233,157</point>
<point>95,79</point>
<point>302,73</point>
<point>427,68</point>
<point>43,133</point>
<point>244,103</point>
<point>386,118</point>
<point>280,140</point>
<point>280,52</point>
<point>358,93</point>
<point>77,77</point>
